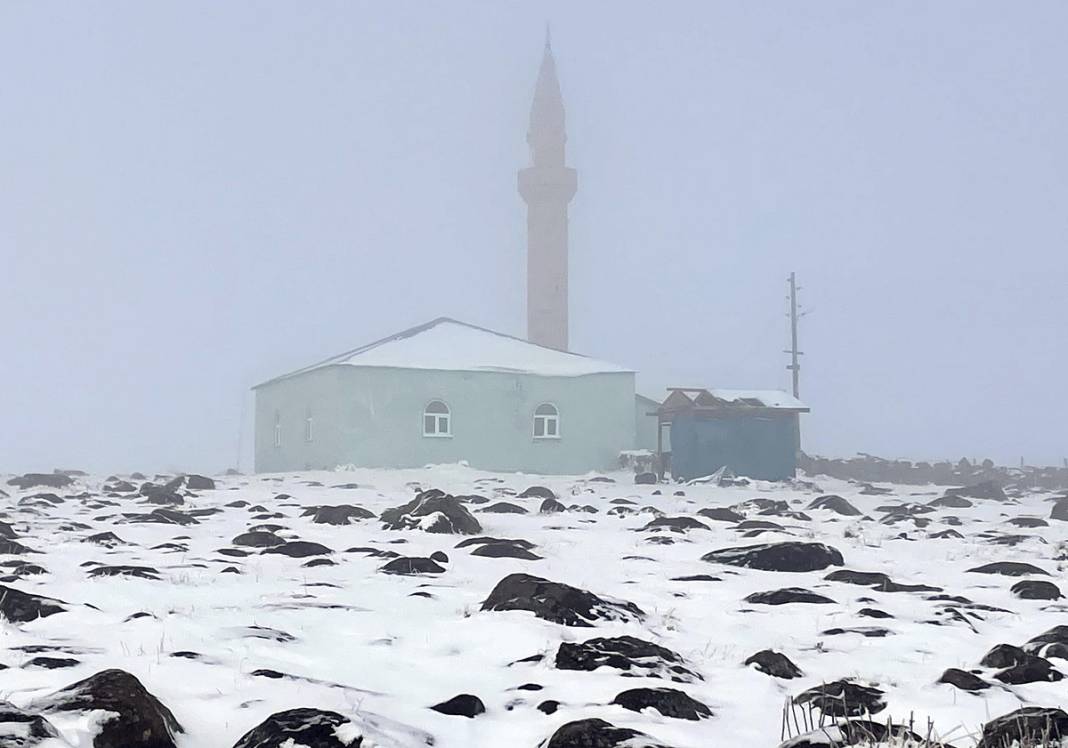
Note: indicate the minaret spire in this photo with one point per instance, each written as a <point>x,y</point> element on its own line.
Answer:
<point>547,186</point>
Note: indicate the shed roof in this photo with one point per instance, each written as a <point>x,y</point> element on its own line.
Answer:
<point>707,398</point>
<point>446,344</point>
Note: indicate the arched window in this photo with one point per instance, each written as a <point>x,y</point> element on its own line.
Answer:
<point>437,420</point>
<point>277,429</point>
<point>546,422</point>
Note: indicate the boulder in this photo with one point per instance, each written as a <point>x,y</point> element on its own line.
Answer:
<point>47,480</point>
<point>774,664</point>
<point>560,603</point>
<point>537,492</point>
<point>1036,589</point>
<point>432,511</point>
<point>19,607</point>
<point>836,504</point>
<point>721,514</point>
<point>988,490</point>
<point>634,656</point>
<point>503,507</point>
<point>462,705</point>
<point>1052,643</point>
<point>411,566</point>
<point>645,479</point>
<point>787,595</point>
<point>135,719</point>
<point>551,506</point>
<point>299,549</point>
<point>141,572</point>
<point>1060,509</point>
<point>343,514</point>
<point>862,733</point>
<point>843,698</point>
<point>789,556</point>
<point>675,524</point>
<point>596,733</point>
<point>505,549</point>
<point>1008,569</point>
<point>19,729</point>
<point>308,728</point>
<point>669,702</point>
<point>258,539</point>
<point>963,680</point>
<point>1031,725</point>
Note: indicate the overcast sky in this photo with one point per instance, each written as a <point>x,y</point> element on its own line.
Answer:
<point>197,196</point>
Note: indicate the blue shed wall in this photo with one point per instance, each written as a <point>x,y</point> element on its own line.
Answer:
<point>756,446</point>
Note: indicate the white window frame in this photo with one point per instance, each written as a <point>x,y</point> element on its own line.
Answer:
<point>439,418</point>
<point>277,429</point>
<point>550,423</point>
<point>309,433</point>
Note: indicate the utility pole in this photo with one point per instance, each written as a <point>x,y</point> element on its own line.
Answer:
<point>795,363</point>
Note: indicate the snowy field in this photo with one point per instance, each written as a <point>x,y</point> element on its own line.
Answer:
<point>225,634</point>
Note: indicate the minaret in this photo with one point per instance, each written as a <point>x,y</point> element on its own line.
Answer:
<point>547,186</point>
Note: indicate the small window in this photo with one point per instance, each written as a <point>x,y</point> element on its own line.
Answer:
<point>437,420</point>
<point>277,429</point>
<point>546,422</point>
<point>308,427</point>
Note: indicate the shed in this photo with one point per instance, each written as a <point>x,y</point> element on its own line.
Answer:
<point>754,433</point>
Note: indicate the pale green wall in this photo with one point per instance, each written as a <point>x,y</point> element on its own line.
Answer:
<point>372,417</point>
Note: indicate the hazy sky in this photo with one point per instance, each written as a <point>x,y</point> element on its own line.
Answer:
<point>197,196</point>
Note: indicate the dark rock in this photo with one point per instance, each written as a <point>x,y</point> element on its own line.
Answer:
<point>1008,569</point>
<point>876,580</point>
<point>440,557</point>
<point>787,595</point>
<point>1036,589</point>
<point>258,539</point>
<point>676,524</point>
<point>317,562</point>
<point>836,504</point>
<point>873,613</point>
<point>343,514</point>
<point>142,572</point>
<point>21,729</point>
<point>463,705</point>
<point>789,556</point>
<point>549,706</point>
<point>860,733</point>
<point>669,702</point>
<point>963,680</point>
<point>410,566</point>
<point>505,549</point>
<point>537,492</point>
<point>868,632</point>
<point>308,728</point>
<point>432,511</point>
<point>1060,510</point>
<point>988,490</point>
<point>944,534</point>
<point>721,514</point>
<point>52,663</point>
<point>697,578</point>
<point>1052,643</point>
<point>596,733</point>
<point>108,539</point>
<point>843,698</point>
<point>1005,656</point>
<point>951,501</point>
<point>1028,522</point>
<point>560,603</point>
<point>161,495</point>
<point>47,480</point>
<point>13,548</point>
<point>503,507</point>
<point>1033,670</point>
<point>299,549</point>
<point>634,656</point>
<point>774,664</point>
<point>645,479</point>
<point>1031,725</point>
<point>137,719</point>
<point>551,506</point>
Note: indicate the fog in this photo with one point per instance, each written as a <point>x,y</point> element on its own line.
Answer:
<point>198,196</point>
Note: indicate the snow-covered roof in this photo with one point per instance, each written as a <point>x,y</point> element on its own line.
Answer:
<point>446,344</point>
<point>711,397</point>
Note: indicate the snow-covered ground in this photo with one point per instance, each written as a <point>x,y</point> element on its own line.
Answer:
<point>354,640</point>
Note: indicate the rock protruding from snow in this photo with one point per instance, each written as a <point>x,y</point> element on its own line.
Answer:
<point>788,595</point>
<point>843,698</point>
<point>789,556</point>
<point>1032,725</point>
<point>461,705</point>
<point>136,718</point>
<point>775,664</point>
<point>432,511</point>
<point>314,728</point>
<point>21,729</point>
<point>557,602</point>
<point>19,607</point>
<point>668,701</point>
<point>45,480</point>
<point>596,733</point>
<point>836,504</point>
<point>1036,589</point>
<point>988,490</point>
<point>630,654</point>
<point>859,732</point>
